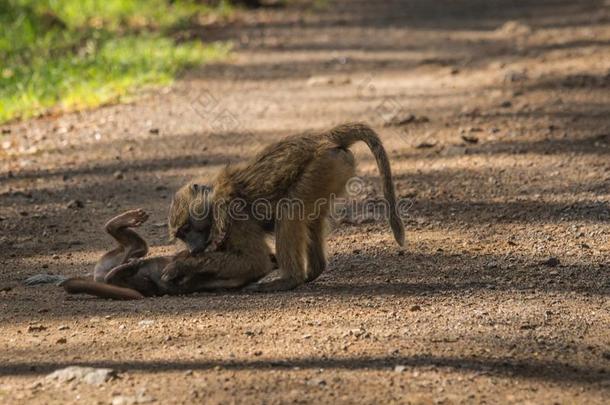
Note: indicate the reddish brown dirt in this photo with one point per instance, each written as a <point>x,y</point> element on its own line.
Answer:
<point>468,311</point>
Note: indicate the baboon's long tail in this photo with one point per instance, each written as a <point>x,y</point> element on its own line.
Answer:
<point>83,286</point>
<point>102,290</point>
<point>347,134</point>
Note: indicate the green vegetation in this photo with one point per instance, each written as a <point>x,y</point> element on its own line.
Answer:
<point>73,54</point>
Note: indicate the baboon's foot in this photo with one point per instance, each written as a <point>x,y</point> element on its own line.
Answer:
<point>131,219</point>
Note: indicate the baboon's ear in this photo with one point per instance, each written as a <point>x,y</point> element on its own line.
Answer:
<point>197,188</point>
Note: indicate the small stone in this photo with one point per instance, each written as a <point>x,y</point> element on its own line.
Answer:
<point>154,131</point>
<point>513,28</point>
<point>319,81</point>
<point>74,204</point>
<point>35,385</point>
<point>258,353</point>
<point>146,322</point>
<point>63,327</point>
<point>306,336</point>
<point>426,144</point>
<point>139,398</point>
<point>470,139</point>
<point>118,175</point>
<point>62,341</point>
<point>400,120</point>
<point>415,308</point>
<point>506,104</point>
<point>399,369</point>
<point>36,328</point>
<point>317,382</point>
<point>89,375</point>
<point>188,373</point>
<point>551,262</point>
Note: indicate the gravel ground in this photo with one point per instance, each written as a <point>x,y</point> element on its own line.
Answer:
<point>496,117</point>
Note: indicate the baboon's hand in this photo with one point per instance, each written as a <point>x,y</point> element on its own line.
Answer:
<point>175,274</point>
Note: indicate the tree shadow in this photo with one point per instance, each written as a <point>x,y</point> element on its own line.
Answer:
<point>379,273</point>
<point>428,26</point>
<point>532,369</point>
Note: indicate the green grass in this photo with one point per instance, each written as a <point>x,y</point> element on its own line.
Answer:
<point>63,55</point>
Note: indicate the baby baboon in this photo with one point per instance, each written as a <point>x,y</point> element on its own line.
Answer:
<point>306,169</point>
<point>125,273</point>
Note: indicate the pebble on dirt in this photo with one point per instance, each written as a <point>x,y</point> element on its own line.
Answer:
<point>36,328</point>
<point>426,144</point>
<point>400,120</point>
<point>74,204</point>
<point>88,375</point>
<point>140,398</point>
<point>551,262</point>
<point>470,139</point>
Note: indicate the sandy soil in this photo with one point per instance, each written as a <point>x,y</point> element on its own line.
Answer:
<point>506,158</point>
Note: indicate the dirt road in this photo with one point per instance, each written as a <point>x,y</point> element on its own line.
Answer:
<point>496,115</point>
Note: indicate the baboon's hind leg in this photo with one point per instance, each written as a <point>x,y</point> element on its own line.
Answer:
<point>131,245</point>
<point>291,240</point>
<point>342,166</point>
<point>316,252</point>
<point>297,236</point>
<point>129,240</point>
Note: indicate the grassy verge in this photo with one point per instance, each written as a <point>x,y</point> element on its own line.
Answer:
<point>73,54</point>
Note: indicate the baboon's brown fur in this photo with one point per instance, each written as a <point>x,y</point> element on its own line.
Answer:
<point>308,168</point>
<point>125,273</point>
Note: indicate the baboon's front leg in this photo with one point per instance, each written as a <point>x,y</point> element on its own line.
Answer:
<point>120,274</point>
<point>215,270</point>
